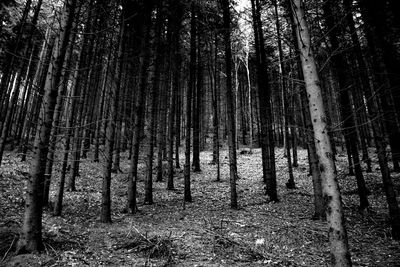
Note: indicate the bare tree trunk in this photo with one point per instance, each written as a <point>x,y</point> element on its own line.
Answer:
<point>56,121</point>
<point>81,82</point>
<point>176,61</point>
<point>250,102</point>
<point>347,115</point>
<point>140,103</point>
<point>31,235</point>
<point>339,248</point>
<point>379,138</point>
<point>229,104</point>
<point>265,111</point>
<point>40,79</point>
<point>192,85</point>
<point>178,114</point>
<point>290,183</point>
<point>100,111</point>
<point>105,213</point>
<point>197,92</point>
<point>385,71</point>
<point>214,72</point>
<point>154,93</point>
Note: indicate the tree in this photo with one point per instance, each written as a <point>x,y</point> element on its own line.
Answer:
<point>339,249</point>
<point>374,114</point>
<point>10,103</point>
<point>105,215</point>
<point>349,125</point>
<point>192,85</point>
<point>155,91</point>
<point>197,89</point>
<point>290,183</point>
<point>264,106</point>
<point>144,30</point>
<point>176,61</point>
<point>31,235</point>
<point>229,103</point>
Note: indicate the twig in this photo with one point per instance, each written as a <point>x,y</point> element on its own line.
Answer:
<point>8,250</point>
<point>55,251</point>
<point>132,226</point>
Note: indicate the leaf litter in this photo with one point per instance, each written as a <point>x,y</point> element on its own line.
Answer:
<point>207,232</point>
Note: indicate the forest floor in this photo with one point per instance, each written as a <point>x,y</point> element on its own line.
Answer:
<point>207,232</point>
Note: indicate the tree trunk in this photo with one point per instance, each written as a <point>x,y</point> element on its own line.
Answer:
<point>264,107</point>
<point>215,106</point>
<point>105,213</point>
<point>340,255</point>
<point>250,101</point>
<point>82,88</point>
<point>197,92</point>
<point>191,87</point>
<point>176,61</point>
<point>56,121</point>
<point>31,235</point>
<point>229,104</point>
<point>386,70</point>
<point>349,125</point>
<point>154,93</point>
<point>290,183</point>
<point>140,103</point>
<point>374,113</point>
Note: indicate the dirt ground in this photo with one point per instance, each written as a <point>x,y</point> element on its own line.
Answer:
<point>203,233</point>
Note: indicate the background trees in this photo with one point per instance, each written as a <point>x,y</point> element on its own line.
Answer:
<point>97,80</point>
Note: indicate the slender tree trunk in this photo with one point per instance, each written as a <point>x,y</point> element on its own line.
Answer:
<point>11,105</point>
<point>82,91</point>
<point>385,72</point>
<point>319,207</point>
<point>290,183</point>
<point>191,87</point>
<point>347,115</point>
<point>374,114</point>
<point>197,92</point>
<point>265,111</point>
<point>40,79</point>
<point>56,122</point>
<point>250,102</point>
<point>154,93</point>
<point>178,114</point>
<point>229,104</point>
<point>140,106</point>
<point>176,61</point>
<point>105,213</point>
<point>215,105</point>
<point>31,235</point>
<point>100,115</point>
<point>339,248</point>
<point>6,79</point>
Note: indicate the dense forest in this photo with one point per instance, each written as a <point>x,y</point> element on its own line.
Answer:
<point>199,133</point>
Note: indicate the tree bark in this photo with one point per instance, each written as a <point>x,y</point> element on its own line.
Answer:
<point>374,114</point>
<point>154,93</point>
<point>349,125</point>
<point>290,184</point>
<point>105,213</point>
<point>229,104</point>
<point>339,248</point>
<point>264,106</point>
<point>31,235</point>
<point>140,103</point>
<point>192,85</point>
